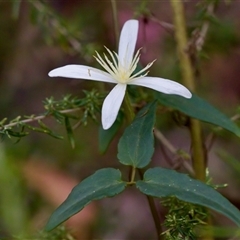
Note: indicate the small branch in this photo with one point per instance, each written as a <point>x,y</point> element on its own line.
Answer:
<point>199,34</point>
<point>155,217</point>
<point>165,25</point>
<point>164,141</point>
<point>54,21</point>
<point>185,156</point>
<point>235,117</point>
<point>37,118</point>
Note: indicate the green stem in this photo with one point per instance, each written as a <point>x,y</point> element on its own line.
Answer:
<point>115,20</point>
<point>181,39</point>
<point>133,173</point>
<point>36,118</point>
<point>198,153</point>
<point>198,150</point>
<point>129,113</point>
<point>128,108</point>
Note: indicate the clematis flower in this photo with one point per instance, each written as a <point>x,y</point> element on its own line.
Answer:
<point>120,70</point>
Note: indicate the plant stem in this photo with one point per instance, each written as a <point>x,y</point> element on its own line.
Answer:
<point>198,153</point>
<point>133,173</point>
<point>153,209</point>
<point>155,217</point>
<point>37,118</point>
<point>115,20</point>
<point>128,108</point>
<point>129,113</point>
<point>198,150</point>
<point>180,154</point>
<point>130,116</point>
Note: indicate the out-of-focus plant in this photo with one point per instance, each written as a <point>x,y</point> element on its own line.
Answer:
<point>68,108</point>
<point>188,198</point>
<point>58,233</point>
<point>13,208</point>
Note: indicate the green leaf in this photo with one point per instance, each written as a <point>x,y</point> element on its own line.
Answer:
<point>160,182</point>
<point>136,146</point>
<point>198,108</point>
<point>103,183</point>
<point>106,136</point>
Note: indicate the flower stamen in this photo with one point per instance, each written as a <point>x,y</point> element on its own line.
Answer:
<point>104,64</point>
<point>122,74</point>
<point>143,70</point>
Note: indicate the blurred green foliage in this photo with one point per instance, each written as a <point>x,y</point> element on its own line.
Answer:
<point>56,234</point>
<point>79,31</point>
<point>13,205</point>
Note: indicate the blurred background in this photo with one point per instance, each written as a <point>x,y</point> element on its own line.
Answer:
<point>38,172</point>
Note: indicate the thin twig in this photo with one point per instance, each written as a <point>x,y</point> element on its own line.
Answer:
<point>37,118</point>
<point>199,35</point>
<point>164,141</point>
<point>74,42</point>
<point>154,212</point>
<point>165,25</point>
<point>174,151</point>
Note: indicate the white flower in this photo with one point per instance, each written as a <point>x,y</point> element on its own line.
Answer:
<point>119,70</point>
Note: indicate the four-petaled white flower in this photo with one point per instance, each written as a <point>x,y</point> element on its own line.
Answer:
<point>120,70</point>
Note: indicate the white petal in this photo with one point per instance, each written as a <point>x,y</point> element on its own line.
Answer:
<point>127,42</point>
<point>82,72</point>
<point>112,104</point>
<point>162,85</point>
